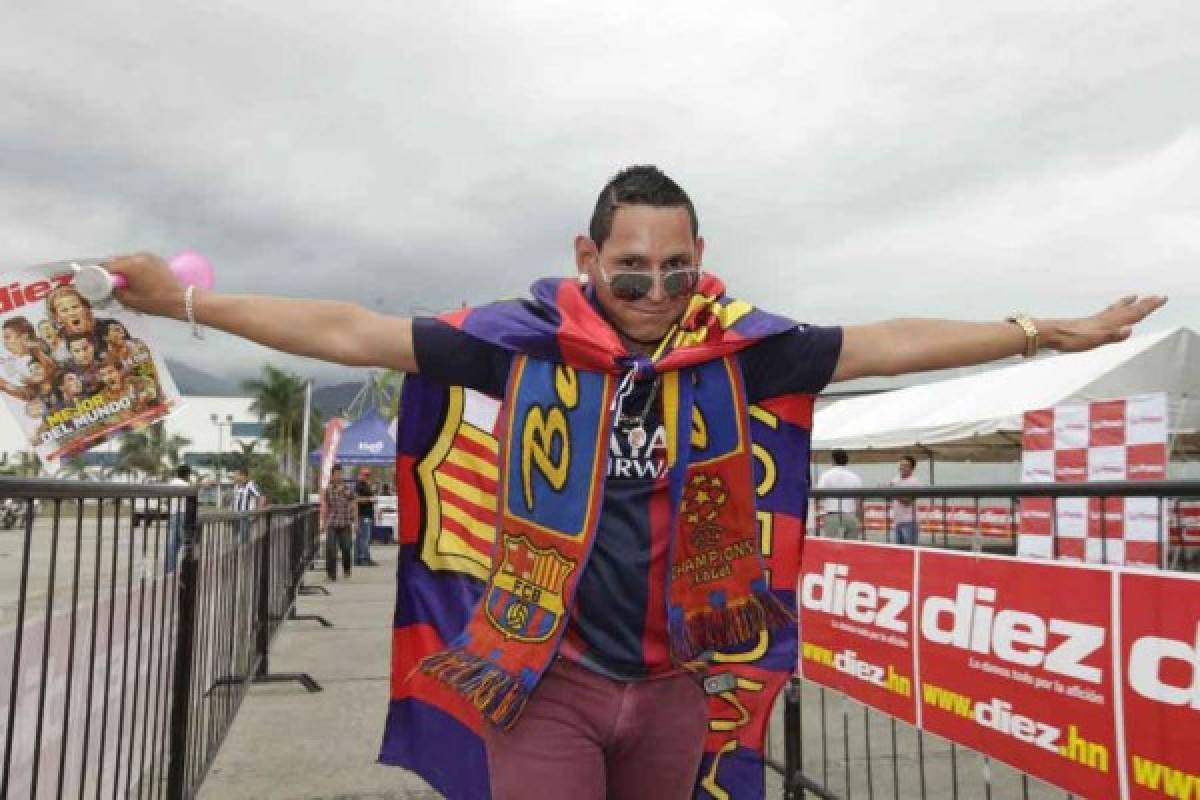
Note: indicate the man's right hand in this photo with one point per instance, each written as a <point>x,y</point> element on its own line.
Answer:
<point>343,333</point>
<point>152,288</point>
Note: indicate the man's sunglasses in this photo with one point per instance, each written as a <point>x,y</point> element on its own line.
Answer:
<point>636,284</point>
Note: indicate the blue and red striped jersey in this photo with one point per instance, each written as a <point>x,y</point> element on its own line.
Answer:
<point>618,626</point>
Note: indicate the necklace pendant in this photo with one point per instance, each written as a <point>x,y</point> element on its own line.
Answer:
<point>637,438</point>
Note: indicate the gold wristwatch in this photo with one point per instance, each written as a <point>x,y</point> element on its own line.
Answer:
<point>1025,323</point>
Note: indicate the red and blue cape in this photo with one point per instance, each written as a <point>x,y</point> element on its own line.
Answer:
<point>446,470</point>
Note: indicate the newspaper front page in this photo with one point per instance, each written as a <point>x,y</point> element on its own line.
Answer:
<point>73,375</point>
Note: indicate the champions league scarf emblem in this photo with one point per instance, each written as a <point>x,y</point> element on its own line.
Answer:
<point>558,414</point>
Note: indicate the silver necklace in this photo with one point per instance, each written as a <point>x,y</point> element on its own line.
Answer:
<point>636,435</point>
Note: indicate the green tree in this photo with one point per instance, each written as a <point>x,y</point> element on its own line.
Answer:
<point>73,469</point>
<point>387,392</point>
<point>243,457</point>
<point>379,393</point>
<point>279,404</point>
<point>275,486</point>
<point>150,452</point>
<point>28,464</point>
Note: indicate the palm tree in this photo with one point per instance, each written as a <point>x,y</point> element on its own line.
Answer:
<point>28,464</point>
<point>279,404</point>
<point>150,452</point>
<point>380,393</point>
<point>242,458</point>
<point>74,469</point>
<point>388,384</point>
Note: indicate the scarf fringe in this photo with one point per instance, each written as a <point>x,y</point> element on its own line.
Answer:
<point>715,629</point>
<point>498,695</point>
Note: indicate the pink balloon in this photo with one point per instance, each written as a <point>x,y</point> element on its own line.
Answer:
<point>192,269</point>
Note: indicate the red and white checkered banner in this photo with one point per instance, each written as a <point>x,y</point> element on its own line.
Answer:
<point>1106,440</point>
<point>1185,523</point>
<point>976,649</point>
<point>993,518</point>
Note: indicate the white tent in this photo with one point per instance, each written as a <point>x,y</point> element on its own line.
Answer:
<point>979,416</point>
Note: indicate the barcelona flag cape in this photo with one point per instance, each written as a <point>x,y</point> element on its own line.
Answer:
<point>500,502</point>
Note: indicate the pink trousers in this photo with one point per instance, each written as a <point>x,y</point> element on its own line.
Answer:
<point>585,737</point>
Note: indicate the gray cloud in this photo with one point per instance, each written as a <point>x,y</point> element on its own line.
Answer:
<point>850,163</point>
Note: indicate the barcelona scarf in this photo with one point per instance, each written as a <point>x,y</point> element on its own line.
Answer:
<point>479,614</point>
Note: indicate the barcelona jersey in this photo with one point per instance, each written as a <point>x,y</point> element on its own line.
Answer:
<point>619,626</point>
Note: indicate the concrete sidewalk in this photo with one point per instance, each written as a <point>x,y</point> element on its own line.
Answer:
<point>287,743</point>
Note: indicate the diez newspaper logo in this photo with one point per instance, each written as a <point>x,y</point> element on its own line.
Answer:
<point>855,605</point>
<point>1160,644</point>
<point>1016,671</point>
<point>15,295</point>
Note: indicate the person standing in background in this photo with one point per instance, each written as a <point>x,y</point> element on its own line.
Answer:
<point>904,509</point>
<point>246,498</point>
<point>839,515</point>
<point>365,494</point>
<point>339,503</point>
<point>183,477</point>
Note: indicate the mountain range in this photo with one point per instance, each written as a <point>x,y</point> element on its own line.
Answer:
<point>328,400</point>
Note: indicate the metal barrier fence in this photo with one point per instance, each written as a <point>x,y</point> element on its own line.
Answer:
<point>130,629</point>
<point>987,518</point>
<point>835,747</point>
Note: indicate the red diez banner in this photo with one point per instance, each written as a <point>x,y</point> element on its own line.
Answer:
<point>992,518</point>
<point>855,602</point>
<point>1016,662</point>
<point>1160,646</point>
<point>329,447</point>
<point>1021,660</point>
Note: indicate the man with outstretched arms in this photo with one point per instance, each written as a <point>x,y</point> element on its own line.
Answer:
<point>626,493</point>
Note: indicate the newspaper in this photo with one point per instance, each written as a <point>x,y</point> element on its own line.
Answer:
<point>75,376</point>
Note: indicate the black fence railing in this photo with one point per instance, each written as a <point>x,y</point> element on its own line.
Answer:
<point>130,628</point>
<point>836,747</point>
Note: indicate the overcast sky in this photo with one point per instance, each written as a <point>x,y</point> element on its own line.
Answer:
<point>850,161</point>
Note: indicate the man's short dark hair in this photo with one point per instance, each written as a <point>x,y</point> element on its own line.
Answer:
<point>642,185</point>
<point>183,472</point>
<point>336,468</point>
<point>912,462</point>
<point>840,458</point>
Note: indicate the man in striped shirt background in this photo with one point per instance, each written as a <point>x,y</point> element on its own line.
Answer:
<point>246,497</point>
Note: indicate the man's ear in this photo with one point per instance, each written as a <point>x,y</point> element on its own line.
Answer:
<point>586,255</point>
<point>700,251</point>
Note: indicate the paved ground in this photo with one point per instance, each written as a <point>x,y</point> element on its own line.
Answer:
<point>287,743</point>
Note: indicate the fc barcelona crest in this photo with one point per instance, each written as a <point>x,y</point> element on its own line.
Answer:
<point>525,597</point>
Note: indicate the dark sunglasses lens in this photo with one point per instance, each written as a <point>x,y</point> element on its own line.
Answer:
<point>680,282</point>
<point>631,286</point>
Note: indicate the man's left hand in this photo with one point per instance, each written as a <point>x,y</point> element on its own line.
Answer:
<point>1113,324</point>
